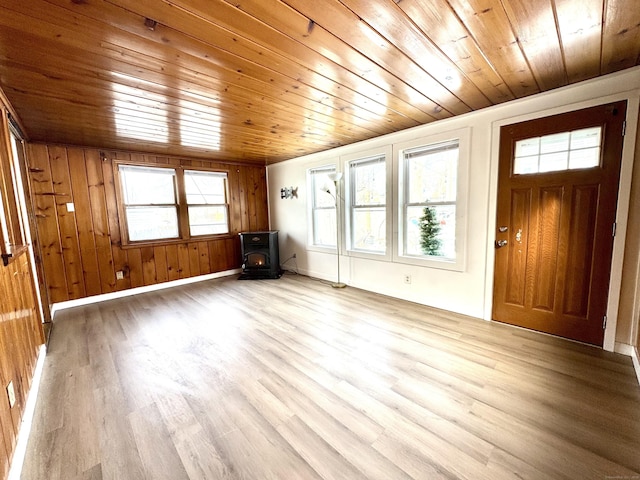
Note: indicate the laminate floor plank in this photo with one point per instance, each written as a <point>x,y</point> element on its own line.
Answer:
<point>291,379</point>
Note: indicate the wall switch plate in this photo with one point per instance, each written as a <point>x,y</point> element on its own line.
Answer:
<point>119,275</point>
<point>11,393</point>
<point>71,207</point>
<point>407,279</point>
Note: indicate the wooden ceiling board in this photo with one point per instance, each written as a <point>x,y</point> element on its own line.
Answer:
<point>531,19</point>
<point>222,65</point>
<point>261,81</point>
<point>301,30</point>
<point>581,37</point>
<point>489,25</point>
<point>397,28</point>
<point>443,27</point>
<point>341,22</point>
<point>621,36</point>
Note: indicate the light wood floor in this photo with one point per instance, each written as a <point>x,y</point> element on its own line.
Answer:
<point>290,379</point>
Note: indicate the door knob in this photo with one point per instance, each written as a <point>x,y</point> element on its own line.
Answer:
<point>500,243</point>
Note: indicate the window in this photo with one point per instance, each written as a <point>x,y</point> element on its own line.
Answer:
<point>323,207</point>
<point>368,205</point>
<point>559,151</point>
<point>150,202</point>
<point>432,200</point>
<point>206,198</point>
<point>12,229</point>
<point>164,204</point>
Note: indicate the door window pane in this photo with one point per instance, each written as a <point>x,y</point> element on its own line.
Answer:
<point>558,152</point>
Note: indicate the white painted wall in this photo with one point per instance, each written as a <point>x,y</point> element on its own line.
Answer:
<point>470,291</point>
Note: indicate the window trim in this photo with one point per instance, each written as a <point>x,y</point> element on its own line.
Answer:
<point>463,136</point>
<point>13,235</point>
<point>361,156</point>
<point>181,206</point>
<point>225,205</point>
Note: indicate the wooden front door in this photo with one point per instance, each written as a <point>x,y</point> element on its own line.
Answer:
<point>557,195</point>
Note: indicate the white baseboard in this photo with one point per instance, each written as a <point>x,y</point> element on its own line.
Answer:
<point>630,351</point>
<point>636,361</point>
<point>623,349</point>
<point>27,418</point>
<point>137,290</point>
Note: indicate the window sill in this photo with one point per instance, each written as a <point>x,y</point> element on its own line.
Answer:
<point>440,263</point>
<point>176,241</point>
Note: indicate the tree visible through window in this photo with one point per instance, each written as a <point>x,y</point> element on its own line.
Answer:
<point>430,181</point>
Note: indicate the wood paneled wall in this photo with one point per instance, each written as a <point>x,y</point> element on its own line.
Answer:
<point>20,321</point>
<point>20,338</point>
<point>81,251</point>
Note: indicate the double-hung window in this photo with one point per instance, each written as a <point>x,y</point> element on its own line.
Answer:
<point>367,195</point>
<point>432,200</point>
<point>207,202</point>
<point>323,207</point>
<point>150,199</point>
<point>430,178</point>
<point>160,204</point>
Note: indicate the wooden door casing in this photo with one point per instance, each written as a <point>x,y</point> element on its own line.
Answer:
<point>553,273</point>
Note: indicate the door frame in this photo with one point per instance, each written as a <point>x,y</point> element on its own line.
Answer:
<point>622,209</point>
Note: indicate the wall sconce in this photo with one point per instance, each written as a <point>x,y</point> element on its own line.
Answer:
<point>289,192</point>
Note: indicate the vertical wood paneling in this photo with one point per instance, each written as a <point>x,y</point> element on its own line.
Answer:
<point>244,210</point>
<point>160,258</point>
<point>20,337</point>
<point>84,221</point>
<point>47,224</point>
<point>148,266</point>
<point>173,265</point>
<point>194,259</point>
<point>86,175</point>
<point>183,261</point>
<point>67,222</point>
<point>235,213</point>
<point>21,331</point>
<point>100,220</point>
<point>119,255</point>
<point>203,254</point>
<point>135,268</point>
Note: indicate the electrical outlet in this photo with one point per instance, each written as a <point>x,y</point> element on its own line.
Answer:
<point>11,394</point>
<point>407,279</point>
<point>119,275</point>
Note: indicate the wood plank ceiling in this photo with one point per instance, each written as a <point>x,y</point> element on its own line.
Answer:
<point>262,81</point>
